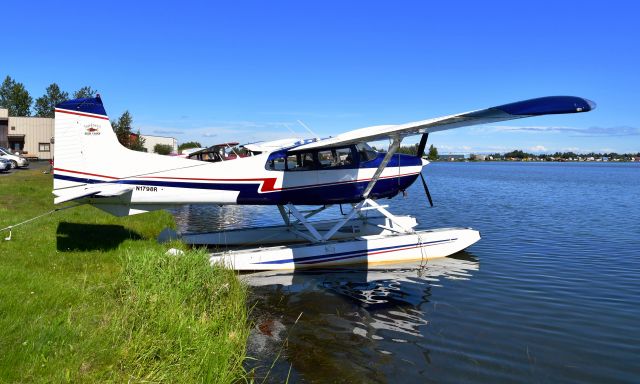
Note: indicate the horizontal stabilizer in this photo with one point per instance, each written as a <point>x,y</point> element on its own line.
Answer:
<point>95,190</point>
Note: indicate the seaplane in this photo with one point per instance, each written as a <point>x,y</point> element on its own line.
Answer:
<point>302,177</point>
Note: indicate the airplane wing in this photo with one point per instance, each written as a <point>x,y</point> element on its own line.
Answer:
<point>274,145</point>
<point>534,107</point>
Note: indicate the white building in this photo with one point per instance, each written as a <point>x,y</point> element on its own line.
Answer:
<point>30,136</point>
<point>151,141</point>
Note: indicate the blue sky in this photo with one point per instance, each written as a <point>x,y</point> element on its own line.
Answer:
<point>248,71</point>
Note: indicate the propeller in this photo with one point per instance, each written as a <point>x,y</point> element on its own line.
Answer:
<point>426,189</point>
<point>423,144</point>
<point>420,153</point>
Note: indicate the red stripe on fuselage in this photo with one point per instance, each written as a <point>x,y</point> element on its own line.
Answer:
<point>82,114</point>
<point>85,173</point>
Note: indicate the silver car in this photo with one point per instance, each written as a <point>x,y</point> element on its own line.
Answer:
<point>5,164</point>
<point>15,160</point>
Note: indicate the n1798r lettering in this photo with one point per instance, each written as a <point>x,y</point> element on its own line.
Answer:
<point>146,189</point>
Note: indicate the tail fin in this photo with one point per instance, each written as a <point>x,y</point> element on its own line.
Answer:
<point>84,142</point>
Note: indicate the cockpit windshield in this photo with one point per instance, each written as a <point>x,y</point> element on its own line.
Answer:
<point>218,152</point>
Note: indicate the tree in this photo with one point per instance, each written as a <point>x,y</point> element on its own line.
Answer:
<point>85,92</point>
<point>15,97</point>
<point>122,128</point>
<point>517,154</point>
<point>433,153</point>
<point>5,92</point>
<point>162,149</point>
<point>137,142</point>
<point>46,104</point>
<point>410,150</point>
<point>189,144</point>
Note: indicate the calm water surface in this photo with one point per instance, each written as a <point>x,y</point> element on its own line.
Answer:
<point>550,294</point>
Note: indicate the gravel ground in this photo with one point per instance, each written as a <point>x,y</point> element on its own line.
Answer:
<point>42,165</point>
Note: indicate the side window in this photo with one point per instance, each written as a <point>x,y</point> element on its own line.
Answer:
<point>308,162</point>
<point>301,162</point>
<point>292,162</point>
<point>336,158</point>
<point>276,162</point>
<point>326,158</point>
<point>344,157</point>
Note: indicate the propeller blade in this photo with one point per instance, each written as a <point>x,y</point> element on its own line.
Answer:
<point>426,189</point>
<point>422,145</point>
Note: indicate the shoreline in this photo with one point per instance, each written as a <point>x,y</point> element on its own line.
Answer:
<point>86,297</point>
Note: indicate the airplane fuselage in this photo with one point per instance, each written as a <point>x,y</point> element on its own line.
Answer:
<point>246,181</point>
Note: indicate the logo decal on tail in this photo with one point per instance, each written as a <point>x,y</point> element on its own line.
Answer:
<point>92,129</point>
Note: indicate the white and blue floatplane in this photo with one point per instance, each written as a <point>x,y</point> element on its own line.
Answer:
<point>93,168</point>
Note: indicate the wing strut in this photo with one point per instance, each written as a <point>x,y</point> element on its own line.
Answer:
<point>366,204</point>
<point>393,148</point>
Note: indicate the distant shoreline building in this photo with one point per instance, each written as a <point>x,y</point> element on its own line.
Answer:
<point>151,141</point>
<point>452,156</point>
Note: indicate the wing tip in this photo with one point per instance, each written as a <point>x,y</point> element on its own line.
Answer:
<point>549,105</point>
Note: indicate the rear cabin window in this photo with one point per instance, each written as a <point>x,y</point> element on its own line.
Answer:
<point>301,162</point>
<point>276,162</point>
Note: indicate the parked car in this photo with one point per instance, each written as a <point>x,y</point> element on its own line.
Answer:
<point>16,160</point>
<point>5,164</point>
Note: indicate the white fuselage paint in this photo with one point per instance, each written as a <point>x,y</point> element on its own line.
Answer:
<point>88,153</point>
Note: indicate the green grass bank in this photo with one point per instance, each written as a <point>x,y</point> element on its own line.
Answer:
<point>87,297</point>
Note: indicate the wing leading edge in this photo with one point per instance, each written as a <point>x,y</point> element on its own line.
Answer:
<point>550,105</point>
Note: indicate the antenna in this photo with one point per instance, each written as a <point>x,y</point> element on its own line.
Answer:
<point>290,130</point>
<point>307,128</point>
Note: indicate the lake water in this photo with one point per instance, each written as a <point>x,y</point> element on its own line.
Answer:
<point>550,294</point>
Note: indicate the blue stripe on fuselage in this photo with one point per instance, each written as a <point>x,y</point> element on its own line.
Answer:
<point>248,192</point>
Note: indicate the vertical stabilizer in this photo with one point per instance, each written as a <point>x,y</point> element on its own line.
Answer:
<point>84,140</point>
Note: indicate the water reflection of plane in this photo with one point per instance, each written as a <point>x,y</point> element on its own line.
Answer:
<point>219,218</point>
<point>373,288</point>
<point>366,313</point>
<point>457,266</point>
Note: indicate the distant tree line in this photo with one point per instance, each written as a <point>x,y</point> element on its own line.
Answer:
<point>521,155</point>
<point>17,100</point>
<point>432,153</point>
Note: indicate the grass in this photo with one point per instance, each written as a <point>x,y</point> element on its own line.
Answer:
<point>87,297</point>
